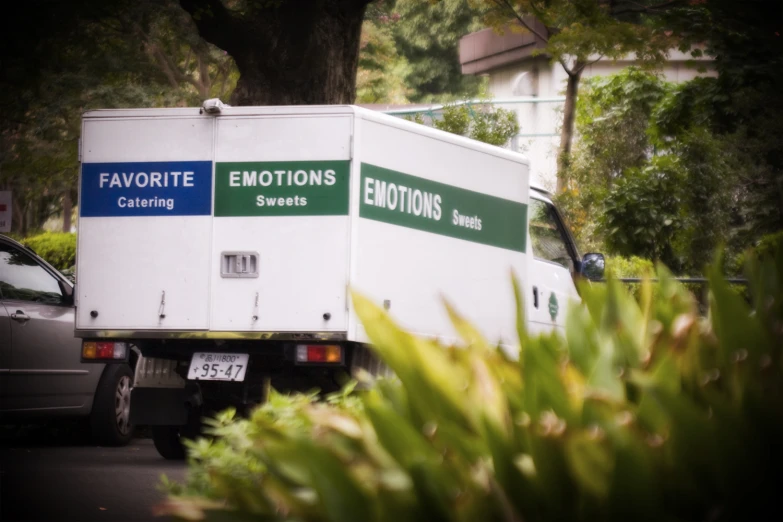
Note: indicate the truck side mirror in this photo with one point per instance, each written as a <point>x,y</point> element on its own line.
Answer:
<point>593,266</point>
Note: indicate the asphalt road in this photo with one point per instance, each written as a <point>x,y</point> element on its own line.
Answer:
<point>54,481</point>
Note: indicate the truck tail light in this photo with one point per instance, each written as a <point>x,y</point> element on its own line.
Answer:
<point>319,353</point>
<point>104,351</point>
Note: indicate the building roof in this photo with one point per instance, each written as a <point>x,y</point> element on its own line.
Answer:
<point>487,49</point>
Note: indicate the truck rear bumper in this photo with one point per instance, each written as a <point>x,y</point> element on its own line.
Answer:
<point>163,395</point>
<point>212,335</point>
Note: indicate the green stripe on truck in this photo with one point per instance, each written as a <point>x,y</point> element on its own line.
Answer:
<point>409,201</point>
<point>282,188</point>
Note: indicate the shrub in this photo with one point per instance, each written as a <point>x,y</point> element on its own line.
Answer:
<point>622,267</point>
<point>638,411</point>
<point>57,248</point>
<point>641,215</point>
<point>768,244</point>
<point>629,266</point>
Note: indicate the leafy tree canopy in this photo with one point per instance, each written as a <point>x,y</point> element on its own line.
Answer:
<point>647,182</point>
<point>383,70</point>
<point>427,34</point>
<point>113,54</point>
<point>575,33</point>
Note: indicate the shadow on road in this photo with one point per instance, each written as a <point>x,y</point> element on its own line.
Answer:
<point>53,433</point>
<point>54,471</point>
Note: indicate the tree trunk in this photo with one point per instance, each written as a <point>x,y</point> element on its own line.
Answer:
<point>288,53</point>
<point>567,132</point>
<point>67,210</point>
<point>17,211</point>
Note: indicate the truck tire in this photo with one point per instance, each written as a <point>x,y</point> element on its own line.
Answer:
<point>110,416</point>
<point>168,442</point>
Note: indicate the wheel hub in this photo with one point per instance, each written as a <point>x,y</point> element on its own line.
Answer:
<point>122,404</point>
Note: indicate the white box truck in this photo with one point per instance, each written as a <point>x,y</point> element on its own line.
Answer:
<point>217,247</point>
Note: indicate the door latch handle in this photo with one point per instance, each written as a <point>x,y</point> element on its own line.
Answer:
<point>20,316</point>
<point>535,296</point>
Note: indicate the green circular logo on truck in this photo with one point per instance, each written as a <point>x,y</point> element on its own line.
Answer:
<point>553,306</point>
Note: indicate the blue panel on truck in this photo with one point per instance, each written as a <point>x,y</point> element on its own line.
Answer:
<point>159,188</point>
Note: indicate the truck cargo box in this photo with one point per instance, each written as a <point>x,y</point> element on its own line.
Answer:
<point>255,222</point>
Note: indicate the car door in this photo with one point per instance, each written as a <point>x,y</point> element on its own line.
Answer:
<point>5,349</point>
<point>44,372</point>
<point>554,261</point>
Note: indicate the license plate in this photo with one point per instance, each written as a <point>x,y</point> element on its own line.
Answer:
<point>206,366</point>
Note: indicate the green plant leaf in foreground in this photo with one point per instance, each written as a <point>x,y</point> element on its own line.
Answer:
<point>636,411</point>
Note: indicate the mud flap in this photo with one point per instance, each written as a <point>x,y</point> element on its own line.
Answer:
<point>163,406</point>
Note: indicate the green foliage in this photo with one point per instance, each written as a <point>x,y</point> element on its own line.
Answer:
<point>743,106</point>
<point>381,76</point>
<point>766,246</point>
<point>57,248</point>
<point>480,121</point>
<point>113,54</point>
<point>613,116</point>
<point>410,51</point>
<point>629,266</point>
<point>573,34</point>
<point>648,166</point>
<point>427,34</point>
<point>641,214</point>
<point>769,244</point>
<point>638,411</point>
<point>483,122</point>
<point>579,30</point>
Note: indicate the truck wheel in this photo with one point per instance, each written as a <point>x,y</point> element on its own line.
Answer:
<point>110,417</point>
<point>168,442</point>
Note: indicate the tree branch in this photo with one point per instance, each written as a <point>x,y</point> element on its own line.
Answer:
<point>187,59</point>
<point>170,70</point>
<point>587,64</point>
<point>520,18</point>
<point>159,57</point>
<point>537,11</point>
<point>223,83</point>
<point>203,76</point>
<point>566,68</point>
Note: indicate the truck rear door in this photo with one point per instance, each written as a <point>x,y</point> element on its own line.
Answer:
<point>145,227</point>
<point>281,234</point>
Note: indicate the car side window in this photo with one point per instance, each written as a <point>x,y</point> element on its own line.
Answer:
<point>546,234</point>
<point>22,279</point>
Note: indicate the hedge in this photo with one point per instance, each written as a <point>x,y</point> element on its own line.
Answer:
<point>57,248</point>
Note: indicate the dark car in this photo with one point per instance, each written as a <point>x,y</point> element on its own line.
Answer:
<point>41,373</point>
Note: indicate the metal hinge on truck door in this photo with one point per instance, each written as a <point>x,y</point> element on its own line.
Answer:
<point>239,264</point>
